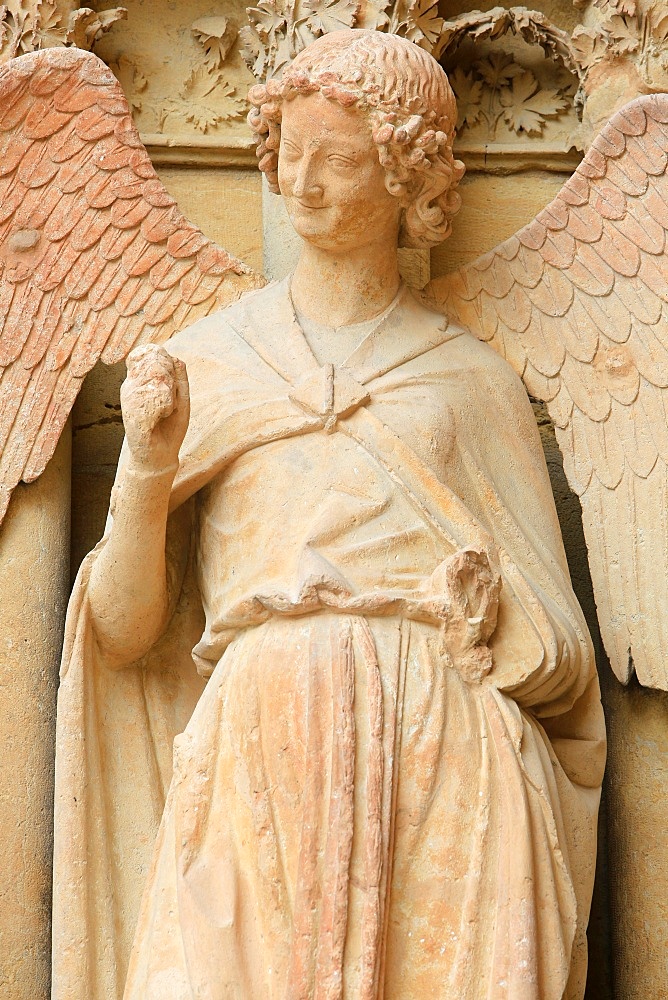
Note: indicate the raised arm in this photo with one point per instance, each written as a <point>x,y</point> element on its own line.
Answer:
<point>130,593</point>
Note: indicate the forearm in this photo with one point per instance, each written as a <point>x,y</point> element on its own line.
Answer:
<point>128,591</point>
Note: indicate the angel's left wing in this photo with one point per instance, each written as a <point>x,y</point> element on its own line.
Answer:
<point>577,303</point>
<point>95,255</point>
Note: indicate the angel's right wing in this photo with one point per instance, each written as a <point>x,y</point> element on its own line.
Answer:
<point>577,303</point>
<point>95,256</point>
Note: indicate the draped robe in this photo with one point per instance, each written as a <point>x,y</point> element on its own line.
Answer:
<point>362,804</point>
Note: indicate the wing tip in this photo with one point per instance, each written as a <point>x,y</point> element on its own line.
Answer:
<point>5,497</point>
<point>623,669</point>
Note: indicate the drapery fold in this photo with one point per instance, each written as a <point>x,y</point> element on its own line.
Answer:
<point>349,815</point>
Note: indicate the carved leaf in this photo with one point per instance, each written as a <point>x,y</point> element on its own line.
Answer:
<point>527,107</point>
<point>535,28</point>
<point>131,79</point>
<point>498,69</point>
<point>293,40</point>
<point>206,100</point>
<point>382,19</point>
<point>51,30</point>
<point>269,23</point>
<point>87,26</point>
<point>658,19</point>
<point>253,51</point>
<point>43,24</point>
<point>199,84</point>
<point>468,92</point>
<point>616,6</point>
<point>591,46</point>
<point>269,19</point>
<point>216,36</point>
<point>331,15</point>
<point>204,118</point>
<point>624,32</point>
<point>423,25</point>
<point>18,32</point>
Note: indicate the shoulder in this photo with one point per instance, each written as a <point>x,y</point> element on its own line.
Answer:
<point>482,360</point>
<point>463,351</point>
<point>214,333</point>
<point>488,381</point>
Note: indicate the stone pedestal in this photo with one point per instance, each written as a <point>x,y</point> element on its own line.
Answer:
<point>34,577</point>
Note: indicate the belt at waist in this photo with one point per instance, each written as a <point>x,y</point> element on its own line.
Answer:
<point>461,597</point>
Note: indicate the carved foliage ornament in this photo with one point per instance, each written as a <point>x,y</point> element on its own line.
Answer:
<point>281,28</point>
<point>627,48</point>
<point>499,91</point>
<point>494,91</point>
<point>628,32</point>
<point>206,96</point>
<point>28,25</point>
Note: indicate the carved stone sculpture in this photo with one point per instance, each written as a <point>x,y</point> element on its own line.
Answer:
<point>576,303</point>
<point>333,499</point>
<point>91,241</point>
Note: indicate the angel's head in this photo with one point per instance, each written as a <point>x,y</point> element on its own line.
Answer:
<point>361,124</point>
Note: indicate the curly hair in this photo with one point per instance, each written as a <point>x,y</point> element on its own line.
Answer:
<point>411,110</point>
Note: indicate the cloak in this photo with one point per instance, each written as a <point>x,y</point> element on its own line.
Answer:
<point>376,586</point>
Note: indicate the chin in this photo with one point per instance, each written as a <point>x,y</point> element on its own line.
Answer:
<point>325,238</point>
<point>317,226</point>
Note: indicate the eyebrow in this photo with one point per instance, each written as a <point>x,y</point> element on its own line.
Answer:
<point>343,143</point>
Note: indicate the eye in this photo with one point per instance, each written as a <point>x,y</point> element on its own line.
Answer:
<point>290,149</point>
<point>341,162</point>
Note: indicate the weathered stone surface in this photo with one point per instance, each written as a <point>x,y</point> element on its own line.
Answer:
<point>495,207</point>
<point>368,611</point>
<point>94,254</point>
<point>574,301</point>
<point>637,780</point>
<point>34,572</point>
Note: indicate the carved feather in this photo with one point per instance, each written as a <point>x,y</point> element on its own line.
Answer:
<point>95,257</point>
<point>579,312</point>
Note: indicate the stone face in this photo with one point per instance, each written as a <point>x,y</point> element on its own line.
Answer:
<point>363,799</point>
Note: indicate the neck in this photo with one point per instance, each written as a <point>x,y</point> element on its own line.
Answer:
<point>339,289</point>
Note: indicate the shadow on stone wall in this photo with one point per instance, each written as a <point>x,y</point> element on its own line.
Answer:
<point>600,978</point>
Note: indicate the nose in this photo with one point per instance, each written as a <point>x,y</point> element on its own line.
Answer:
<point>307,182</point>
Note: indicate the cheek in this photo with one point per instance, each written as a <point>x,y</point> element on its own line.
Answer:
<point>366,185</point>
<point>378,202</point>
<point>347,192</point>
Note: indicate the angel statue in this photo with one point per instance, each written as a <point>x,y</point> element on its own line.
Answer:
<point>333,503</point>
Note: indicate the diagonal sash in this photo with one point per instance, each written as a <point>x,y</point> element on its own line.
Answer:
<point>527,637</point>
